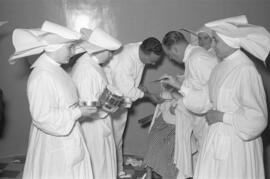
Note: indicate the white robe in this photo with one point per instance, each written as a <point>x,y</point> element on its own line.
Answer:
<point>233,148</point>
<point>198,67</point>
<point>56,148</point>
<point>90,80</point>
<point>125,72</point>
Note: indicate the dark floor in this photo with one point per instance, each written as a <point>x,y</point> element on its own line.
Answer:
<point>12,167</point>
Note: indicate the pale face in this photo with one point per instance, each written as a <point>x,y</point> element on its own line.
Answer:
<point>104,56</point>
<point>221,48</point>
<point>64,54</point>
<point>151,59</point>
<point>175,53</point>
<point>204,40</point>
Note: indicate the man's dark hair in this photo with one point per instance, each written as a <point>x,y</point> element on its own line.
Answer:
<point>172,38</point>
<point>151,45</point>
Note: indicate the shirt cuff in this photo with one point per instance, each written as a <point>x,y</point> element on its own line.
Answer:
<point>76,113</point>
<point>228,118</point>
<point>141,94</point>
<point>184,91</point>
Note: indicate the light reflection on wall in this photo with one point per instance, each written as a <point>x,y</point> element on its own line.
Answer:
<point>89,14</point>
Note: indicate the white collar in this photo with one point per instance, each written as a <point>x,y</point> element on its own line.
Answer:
<point>50,60</point>
<point>233,55</point>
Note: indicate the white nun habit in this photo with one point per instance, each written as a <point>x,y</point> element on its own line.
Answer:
<point>233,148</point>
<point>90,80</point>
<point>56,148</point>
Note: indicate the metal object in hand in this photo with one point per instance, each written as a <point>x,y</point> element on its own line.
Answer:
<point>110,102</point>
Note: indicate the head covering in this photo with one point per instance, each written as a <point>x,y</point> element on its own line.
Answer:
<point>101,39</point>
<point>95,39</point>
<point>206,30</point>
<point>33,41</point>
<point>194,36</point>
<point>51,37</point>
<point>3,22</point>
<point>236,32</point>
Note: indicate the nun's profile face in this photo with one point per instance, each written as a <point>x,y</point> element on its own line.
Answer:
<point>104,56</point>
<point>221,48</point>
<point>204,40</point>
<point>64,54</point>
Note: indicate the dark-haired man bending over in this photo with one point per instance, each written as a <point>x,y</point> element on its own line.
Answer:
<point>125,72</point>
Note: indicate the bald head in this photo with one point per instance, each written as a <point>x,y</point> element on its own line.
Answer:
<point>172,38</point>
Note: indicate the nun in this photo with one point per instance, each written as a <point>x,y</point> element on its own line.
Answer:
<point>90,80</point>
<point>233,147</point>
<point>205,40</point>
<point>56,148</point>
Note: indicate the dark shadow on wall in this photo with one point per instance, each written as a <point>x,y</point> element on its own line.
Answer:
<point>2,114</point>
<point>264,70</point>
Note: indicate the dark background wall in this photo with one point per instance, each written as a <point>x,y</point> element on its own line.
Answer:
<point>134,20</point>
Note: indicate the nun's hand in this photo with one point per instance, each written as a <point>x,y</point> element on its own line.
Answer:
<point>214,116</point>
<point>88,111</point>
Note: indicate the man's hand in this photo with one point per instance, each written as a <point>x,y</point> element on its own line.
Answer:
<point>171,81</point>
<point>172,109</point>
<point>214,116</point>
<point>126,103</point>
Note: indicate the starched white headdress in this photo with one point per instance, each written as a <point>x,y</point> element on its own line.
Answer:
<point>52,36</point>
<point>237,33</point>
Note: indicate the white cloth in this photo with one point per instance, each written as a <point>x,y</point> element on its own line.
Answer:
<point>242,19</point>
<point>236,34</point>
<point>212,52</point>
<point>51,36</point>
<point>183,141</point>
<point>90,81</point>
<point>56,148</point>
<point>198,66</point>
<point>164,109</point>
<point>233,149</point>
<point>125,72</point>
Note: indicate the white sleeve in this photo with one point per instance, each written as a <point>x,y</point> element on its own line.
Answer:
<point>250,119</point>
<point>197,101</point>
<point>195,86</point>
<point>45,111</point>
<point>126,83</point>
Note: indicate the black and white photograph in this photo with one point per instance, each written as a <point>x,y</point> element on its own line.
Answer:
<point>134,89</point>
